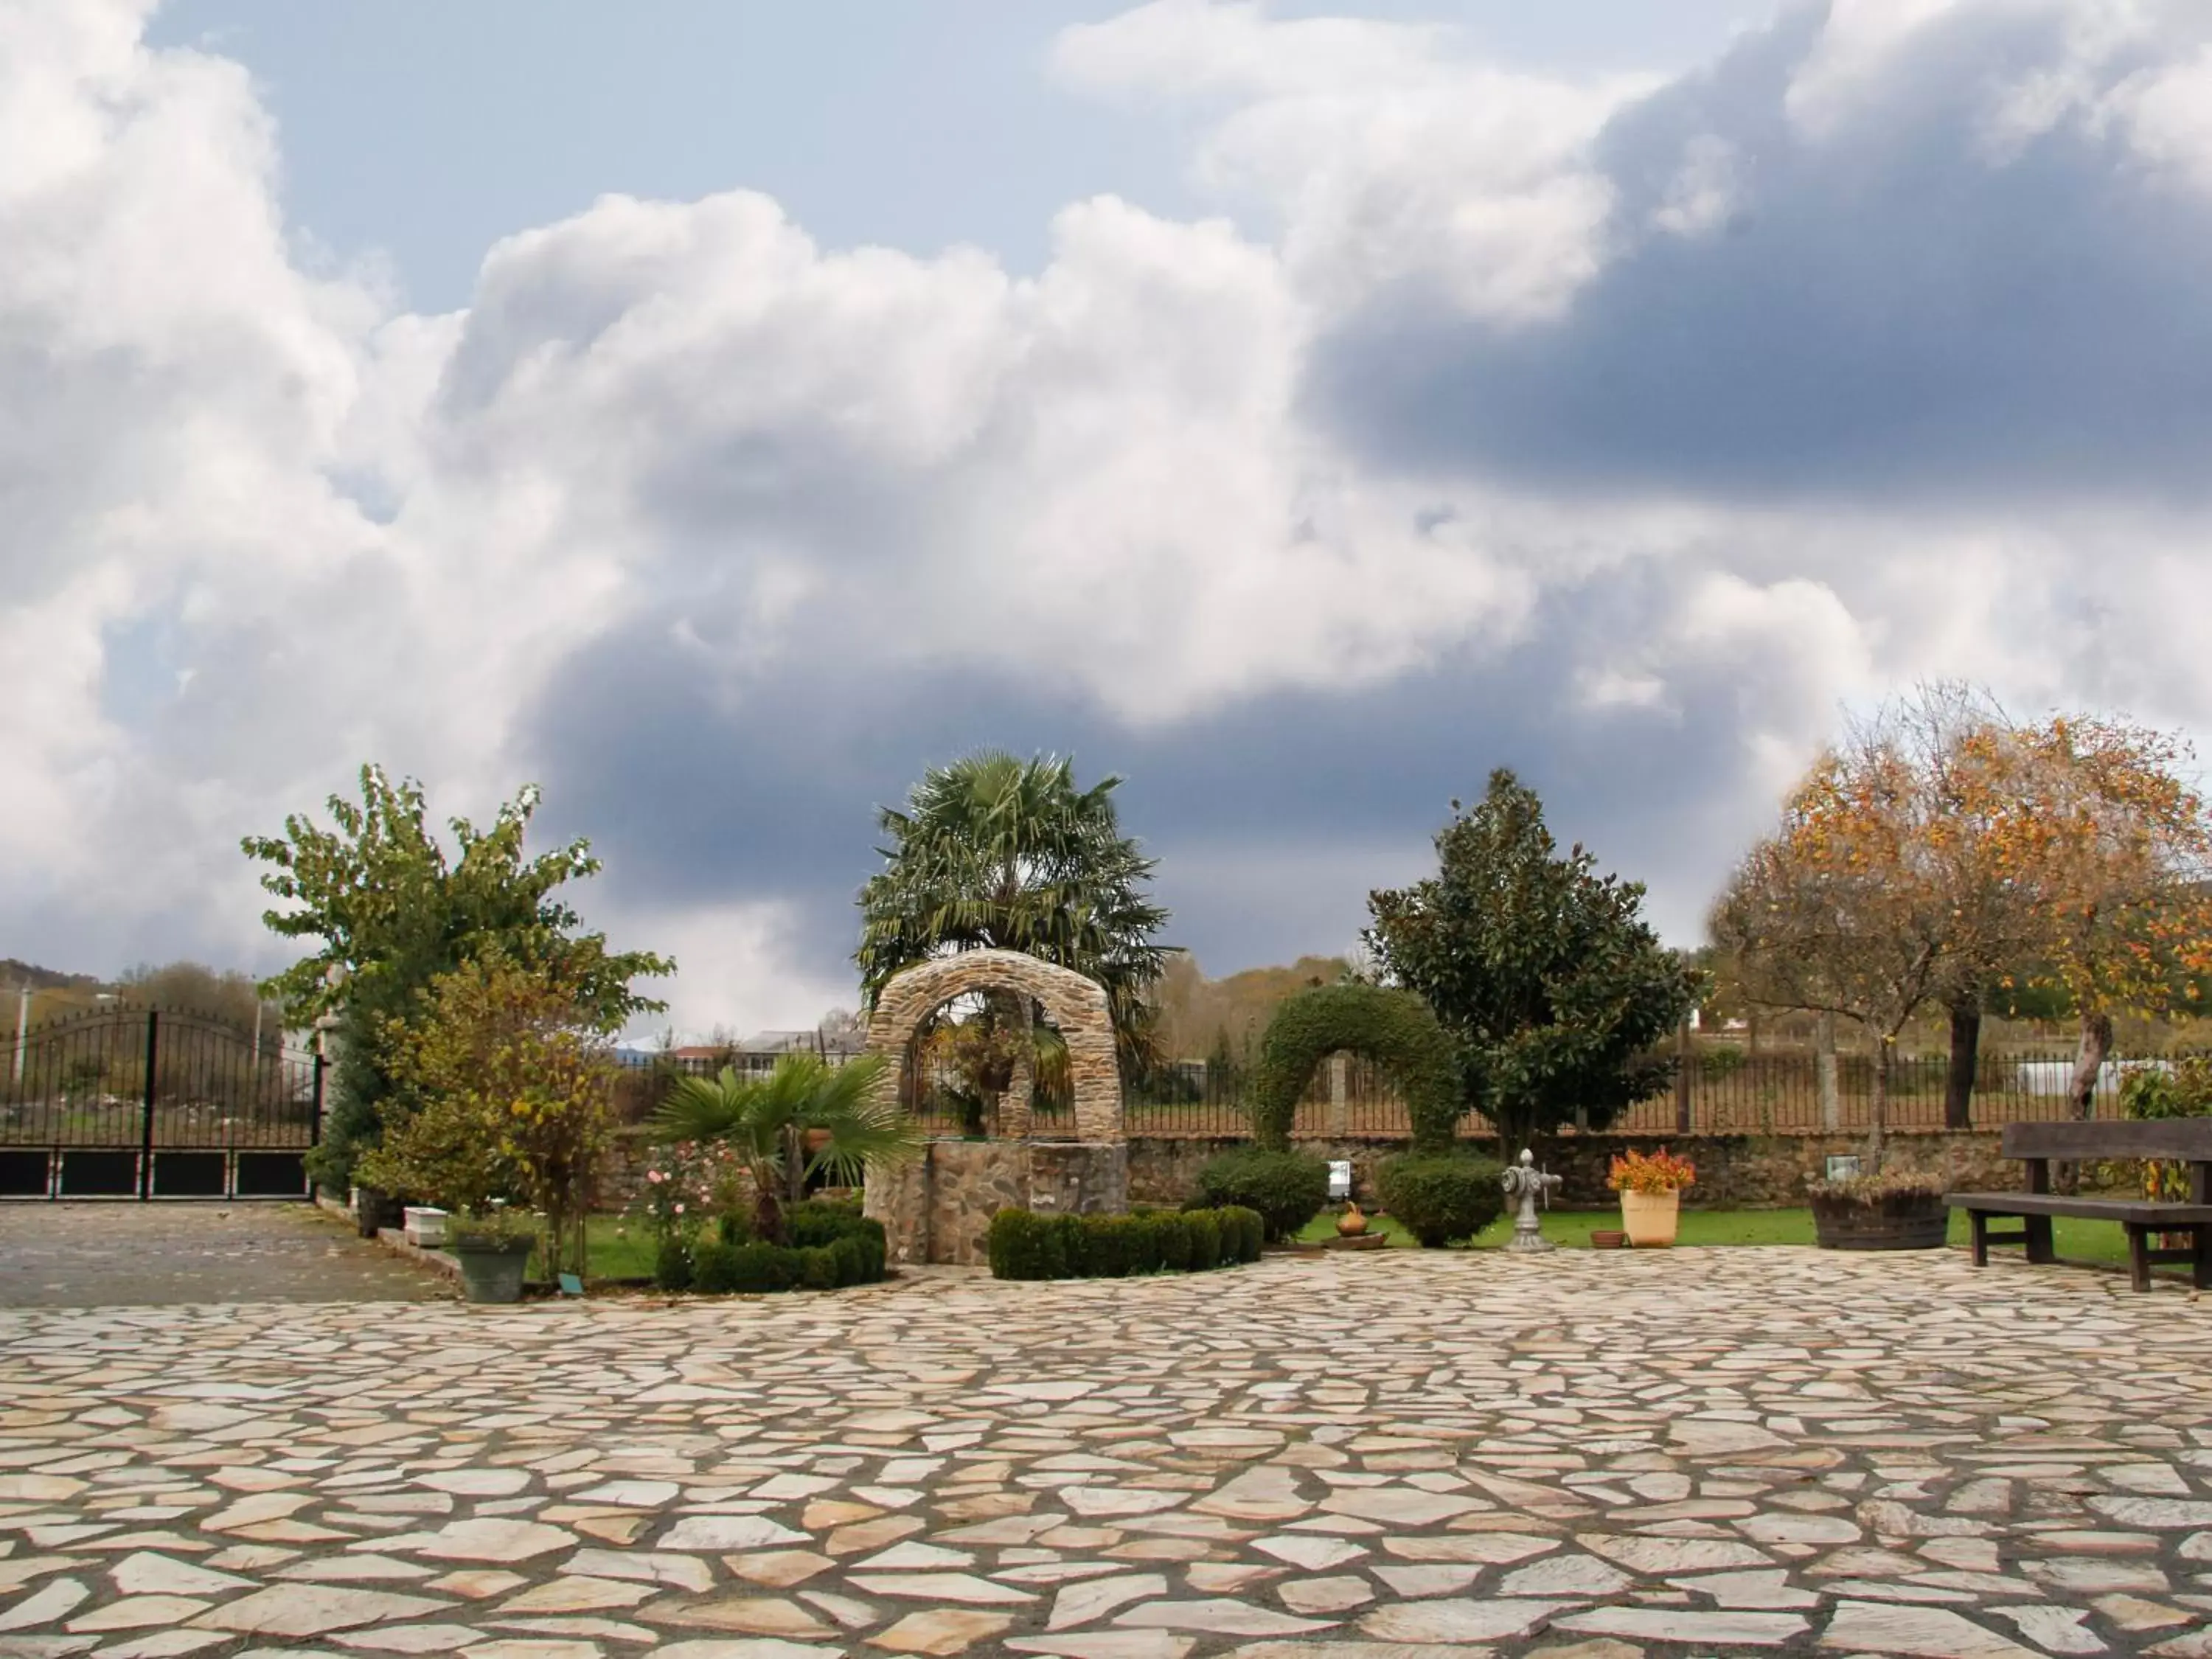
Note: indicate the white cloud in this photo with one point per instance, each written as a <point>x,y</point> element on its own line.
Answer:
<point>257,525</point>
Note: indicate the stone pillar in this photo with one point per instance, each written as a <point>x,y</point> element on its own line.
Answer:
<point>1339,1096</point>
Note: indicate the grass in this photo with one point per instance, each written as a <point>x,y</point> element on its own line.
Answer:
<point>615,1247</point>
<point>2077,1240</point>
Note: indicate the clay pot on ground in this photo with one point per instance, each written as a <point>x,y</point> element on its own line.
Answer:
<point>1352,1224</point>
<point>1650,1220</point>
<point>1604,1240</point>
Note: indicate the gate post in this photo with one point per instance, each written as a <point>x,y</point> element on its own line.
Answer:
<point>146,1122</point>
<point>1684,1056</point>
<point>315,1121</point>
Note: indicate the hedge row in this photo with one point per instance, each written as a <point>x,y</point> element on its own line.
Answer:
<point>831,1245</point>
<point>1026,1245</point>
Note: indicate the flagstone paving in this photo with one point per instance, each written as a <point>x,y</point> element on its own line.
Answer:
<point>1408,1455</point>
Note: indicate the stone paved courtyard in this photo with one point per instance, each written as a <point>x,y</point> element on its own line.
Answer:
<point>1371,1457</point>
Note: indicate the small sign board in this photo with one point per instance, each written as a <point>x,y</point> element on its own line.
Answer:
<point>571,1285</point>
<point>1339,1177</point>
<point>1843,1166</point>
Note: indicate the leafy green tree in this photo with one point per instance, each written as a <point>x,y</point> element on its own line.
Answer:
<point>766,1124</point>
<point>393,911</point>
<point>512,1085</point>
<point>994,851</point>
<point>1542,970</point>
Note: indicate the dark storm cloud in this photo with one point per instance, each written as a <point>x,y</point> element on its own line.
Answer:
<point>1271,819</point>
<point>1894,306</point>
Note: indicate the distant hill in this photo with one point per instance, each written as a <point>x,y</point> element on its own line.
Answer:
<point>1197,1014</point>
<point>14,974</point>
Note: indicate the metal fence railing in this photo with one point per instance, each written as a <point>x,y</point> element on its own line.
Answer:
<point>1728,1091</point>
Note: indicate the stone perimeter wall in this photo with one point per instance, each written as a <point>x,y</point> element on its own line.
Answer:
<point>1734,1171</point>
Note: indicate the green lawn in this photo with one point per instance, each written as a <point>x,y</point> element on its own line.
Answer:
<point>617,1247</point>
<point>2079,1241</point>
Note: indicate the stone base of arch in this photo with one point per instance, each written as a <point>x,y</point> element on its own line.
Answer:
<point>938,1209</point>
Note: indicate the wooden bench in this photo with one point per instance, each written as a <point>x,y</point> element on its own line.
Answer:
<point>2187,1140</point>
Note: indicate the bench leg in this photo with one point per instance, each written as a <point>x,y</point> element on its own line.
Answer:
<point>2139,1256</point>
<point>1979,1224</point>
<point>2039,1247</point>
<point>2200,1266</point>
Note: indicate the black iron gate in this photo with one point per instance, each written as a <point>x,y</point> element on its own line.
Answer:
<point>144,1104</point>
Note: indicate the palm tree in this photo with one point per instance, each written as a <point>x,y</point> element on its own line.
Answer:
<point>766,1122</point>
<point>995,851</point>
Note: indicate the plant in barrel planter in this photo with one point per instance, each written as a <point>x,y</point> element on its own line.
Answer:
<point>1651,1190</point>
<point>1888,1211</point>
<point>494,1247</point>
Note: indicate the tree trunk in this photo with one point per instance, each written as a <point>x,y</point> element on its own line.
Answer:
<point>1824,1073</point>
<point>1966,1057</point>
<point>2088,1065</point>
<point>1878,1126</point>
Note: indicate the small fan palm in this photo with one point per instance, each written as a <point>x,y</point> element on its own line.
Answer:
<point>765,1122</point>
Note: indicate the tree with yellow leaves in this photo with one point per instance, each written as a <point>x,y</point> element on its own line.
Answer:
<point>1943,845</point>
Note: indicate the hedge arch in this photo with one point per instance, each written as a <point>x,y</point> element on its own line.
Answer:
<point>1392,1028</point>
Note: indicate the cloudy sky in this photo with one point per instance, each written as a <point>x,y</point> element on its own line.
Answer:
<point>717,414</point>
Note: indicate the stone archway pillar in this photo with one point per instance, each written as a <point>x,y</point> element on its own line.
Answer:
<point>938,1208</point>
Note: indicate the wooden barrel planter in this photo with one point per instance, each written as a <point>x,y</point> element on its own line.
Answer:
<point>1889,1221</point>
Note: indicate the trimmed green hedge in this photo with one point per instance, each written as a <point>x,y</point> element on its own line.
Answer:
<point>1441,1199</point>
<point>1394,1028</point>
<point>832,1245</point>
<point>1026,1245</point>
<point>1288,1189</point>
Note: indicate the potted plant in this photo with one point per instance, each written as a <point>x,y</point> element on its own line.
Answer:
<point>1651,1190</point>
<point>1886,1210</point>
<point>493,1246</point>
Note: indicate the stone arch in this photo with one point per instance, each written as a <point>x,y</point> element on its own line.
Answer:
<point>1394,1028</point>
<point>1077,1006</point>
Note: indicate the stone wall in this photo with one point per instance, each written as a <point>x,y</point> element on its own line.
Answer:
<point>1734,1171</point>
<point>938,1208</point>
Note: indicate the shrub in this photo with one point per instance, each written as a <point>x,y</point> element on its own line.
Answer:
<point>734,1227</point>
<point>1287,1188</point>
<point>1204,1227</point>
<point>1442,1199</point>
<point>817,1267</point>
<point>714,1268</point>
<point>671,1263</point>
<point>851,1261</point>
<point>1026,1246</point>
<point>1242,1233</point>
<point>822,1221</point>
<point>1173,1231</point>
<point>759,1268</point>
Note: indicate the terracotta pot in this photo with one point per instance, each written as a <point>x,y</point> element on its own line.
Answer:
<point>1603,1240</point>
<point>1650,1218</point>
<point>1350,1224</point>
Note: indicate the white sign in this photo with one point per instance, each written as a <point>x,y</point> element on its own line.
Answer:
<point>1339,1177</point>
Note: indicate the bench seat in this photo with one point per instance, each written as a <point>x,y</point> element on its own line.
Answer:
<point>2142,1212</point>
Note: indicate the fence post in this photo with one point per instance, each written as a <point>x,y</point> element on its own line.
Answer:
<point>1682,1058</point>
<point>146,1119</point>
<point>315,1117</point>
<point>1340,1102</point>
<point>1824,1073</point>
